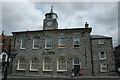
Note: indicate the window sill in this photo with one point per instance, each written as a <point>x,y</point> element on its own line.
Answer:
<point>35,48</point>
<point>61,47</point>
<point>21,69</point>
<point>47,70</point>
<point>22,48</point>
<point>61,70</point>
<point>102,59</point>
<point>33,69</point>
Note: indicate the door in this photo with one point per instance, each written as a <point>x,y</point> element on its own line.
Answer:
<point>76,69</point>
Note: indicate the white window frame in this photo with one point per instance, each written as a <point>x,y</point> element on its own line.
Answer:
<point>77,64</point>
<point>21,46</point>
<point>58,67</point>
<point>44,66</point>
<point>74,41</point>
<point>59,46</point>
<point>31,66</point>
<point>101,41</point>
<point>5,58</point>
<point>101,66</point>
<point>1,43</point>
<point>33,45</point>
<point>46,43</point>
<point>104,56</point>
<point>18,67</point>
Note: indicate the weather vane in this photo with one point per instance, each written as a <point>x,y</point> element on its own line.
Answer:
<point>51,8</point>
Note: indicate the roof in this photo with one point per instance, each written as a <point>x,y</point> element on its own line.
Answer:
<point>100,37</point>
<point>84,29</point>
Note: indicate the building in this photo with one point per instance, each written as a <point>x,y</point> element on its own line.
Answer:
<point>5,49</point>
<point>117,58</point>
<point>61,52</point>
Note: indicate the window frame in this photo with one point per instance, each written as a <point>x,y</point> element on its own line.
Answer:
<point>105,56</point>
<point>21,45</point>
<point>18,67</point>
<point>101,41</point>
<point>103,66</point>
<point>46,42</point>
<point>32,64</point>
<point>34,43</point>
<point>59,42</point>
<point>6,56</point>
<point>74,42</point>
<point>44,65</point>
<point>58,66</point>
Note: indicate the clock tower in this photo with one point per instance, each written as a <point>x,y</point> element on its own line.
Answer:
<point>50,21</point>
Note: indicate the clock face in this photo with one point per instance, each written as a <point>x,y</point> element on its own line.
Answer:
<point>49,23</point>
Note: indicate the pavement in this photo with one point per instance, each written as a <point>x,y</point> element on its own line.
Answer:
<point>31,77</point>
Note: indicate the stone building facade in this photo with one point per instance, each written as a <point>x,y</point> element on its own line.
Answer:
<point>61,52</point>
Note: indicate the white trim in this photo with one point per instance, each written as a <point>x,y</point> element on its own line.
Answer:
<point>21,46</point>
<point>104,56</point>
<point>33,45</point>
<point>58,66</point>
<point>60,46</point>
<point>46,43</point>
<point>103,66</point>
<point>31,67</point>
<point>18,67</point>
<point>2,57</point>
<point>76,64</point>
<point>44,66</point>
<point>1,43</point>
<point>101,41</point>
<point>78,43</point>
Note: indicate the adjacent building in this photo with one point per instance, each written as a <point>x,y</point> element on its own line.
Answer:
<point>117,58</point>
<point>61,52</point>
<point>5,49</point>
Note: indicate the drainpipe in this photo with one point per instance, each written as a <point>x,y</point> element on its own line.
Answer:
<point>13,54</point>
<point>92,58</point>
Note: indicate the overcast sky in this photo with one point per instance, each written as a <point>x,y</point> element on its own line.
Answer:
<point>101,16</point>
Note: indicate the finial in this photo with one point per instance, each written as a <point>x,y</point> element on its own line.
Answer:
<point>2,32</point>
<point>86,25</point>
<point>51,9</point>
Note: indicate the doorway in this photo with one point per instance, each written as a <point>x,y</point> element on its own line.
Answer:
<point>76,65</point>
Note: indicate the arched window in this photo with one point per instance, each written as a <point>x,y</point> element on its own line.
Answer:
<point>76,62</point>
<point>34,64</point>
<point>47,64</point>
<point>62,64</point>
<point>22,64</point>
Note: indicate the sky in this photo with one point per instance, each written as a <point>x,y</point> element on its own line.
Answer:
<point>102,17</point>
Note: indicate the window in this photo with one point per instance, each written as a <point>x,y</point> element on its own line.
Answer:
<point>62,65</point>
<point>76,62</point>
<point>22,64</point>
<point>47,64</point>
<point>102,55</point>
<point>76,42</point>
<point>48,42</point>
<point>35,43</point>
<point>101,41</point>
<point>61,42</point>
<point>34,65</point>
<point>23,43</point>
<point>103,68</point>
<point>4,57</point>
